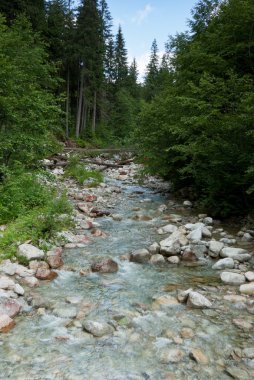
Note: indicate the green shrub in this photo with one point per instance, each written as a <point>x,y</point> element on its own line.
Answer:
<point>77,171</point>
<point>36,225</point>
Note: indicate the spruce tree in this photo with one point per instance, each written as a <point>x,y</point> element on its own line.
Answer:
<point>121,59</point>
<point>152,71</point>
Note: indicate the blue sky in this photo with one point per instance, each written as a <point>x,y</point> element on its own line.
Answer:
<point>144,20</point>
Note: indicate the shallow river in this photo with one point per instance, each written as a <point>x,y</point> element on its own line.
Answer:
<point>46,346</point>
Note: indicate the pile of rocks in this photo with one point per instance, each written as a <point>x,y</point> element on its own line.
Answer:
<point>195,242</point>
<point>14,278</point>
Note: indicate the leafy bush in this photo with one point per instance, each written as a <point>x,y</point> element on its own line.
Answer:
<point>77,171</point>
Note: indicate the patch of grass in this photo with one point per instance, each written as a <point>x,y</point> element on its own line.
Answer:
<point>77,171</point>
<point>33,208</point>
<point>37,225</point>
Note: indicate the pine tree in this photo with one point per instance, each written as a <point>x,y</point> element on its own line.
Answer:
<point>121,59</point>
<point>133,85</point>
<point>152,71</point>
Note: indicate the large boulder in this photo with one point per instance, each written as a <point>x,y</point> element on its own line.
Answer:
<point>30,252</point>
<point>238,254</point>
<point>198,301</point>
<point>97,329</point>
<point>9,307</point>
<point>105,265</point>
<point>172,245</point>
<point>140,256</point>
<point>231,278</point>
<point>226,263</point>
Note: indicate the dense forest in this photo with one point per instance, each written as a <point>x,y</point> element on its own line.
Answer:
<point>65,76</point>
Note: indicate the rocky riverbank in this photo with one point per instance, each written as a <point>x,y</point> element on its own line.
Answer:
<point>140,273</point>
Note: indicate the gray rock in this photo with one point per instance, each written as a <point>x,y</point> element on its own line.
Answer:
<point>65,312</point>
<point>187,204</point>
<point>248,353</point>
<point>140,256</point>
<point>208,221</point>
<point>172,245</point>
<point>173,355</point>
<point>206,233</point>
<point>247,289</point>
<point>173,260</point>
<point>249,276</point>
<point>238,254</point>
<point>157,259</point>
<point>154,248</point>
<point>31,281</point>
<point>30,252</point>
<point>231,278</point>
<point>195,235</point>
<point>168,229</point>
<point>97,329</point>
<point>247,237</point>
<point>199,250</point>
<point>215,248</point>
<point>237,373</point>
<point>198,301</point>
<point>226,263</point>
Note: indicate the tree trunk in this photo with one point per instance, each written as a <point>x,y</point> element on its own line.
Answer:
<point>67,104</point>
<point>94,112</point>
<point>80,102</point>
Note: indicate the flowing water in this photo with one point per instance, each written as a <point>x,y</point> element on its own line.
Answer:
<point>46,346</point>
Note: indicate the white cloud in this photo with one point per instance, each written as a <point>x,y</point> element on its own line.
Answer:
<point>142,14</point>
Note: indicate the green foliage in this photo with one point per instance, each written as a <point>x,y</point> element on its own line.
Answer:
<point>77,171</point>
<point>198,130</point>
<point>40,223</point>
<point>29,114</point>
<point>20,192</point>
<point>33,208</point>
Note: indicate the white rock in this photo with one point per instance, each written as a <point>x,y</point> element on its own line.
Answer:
<point>6,283</point>
<point>195,235</point>
<point>31,281</point>
<point>194,226</point>
<point>187,204</point>
<point>215,247</point>
<point>8,267</point>
<point>198,301</point>
<point>248,352</point>
<point>232,278</point>
<point>247,288</point>
<point>249,276</point>
<point>19,290</point>
<point>238,254</point>
<point>30,252</point>
<point>208,221</point>
<point>168,229</point>
<point>226,263</point>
